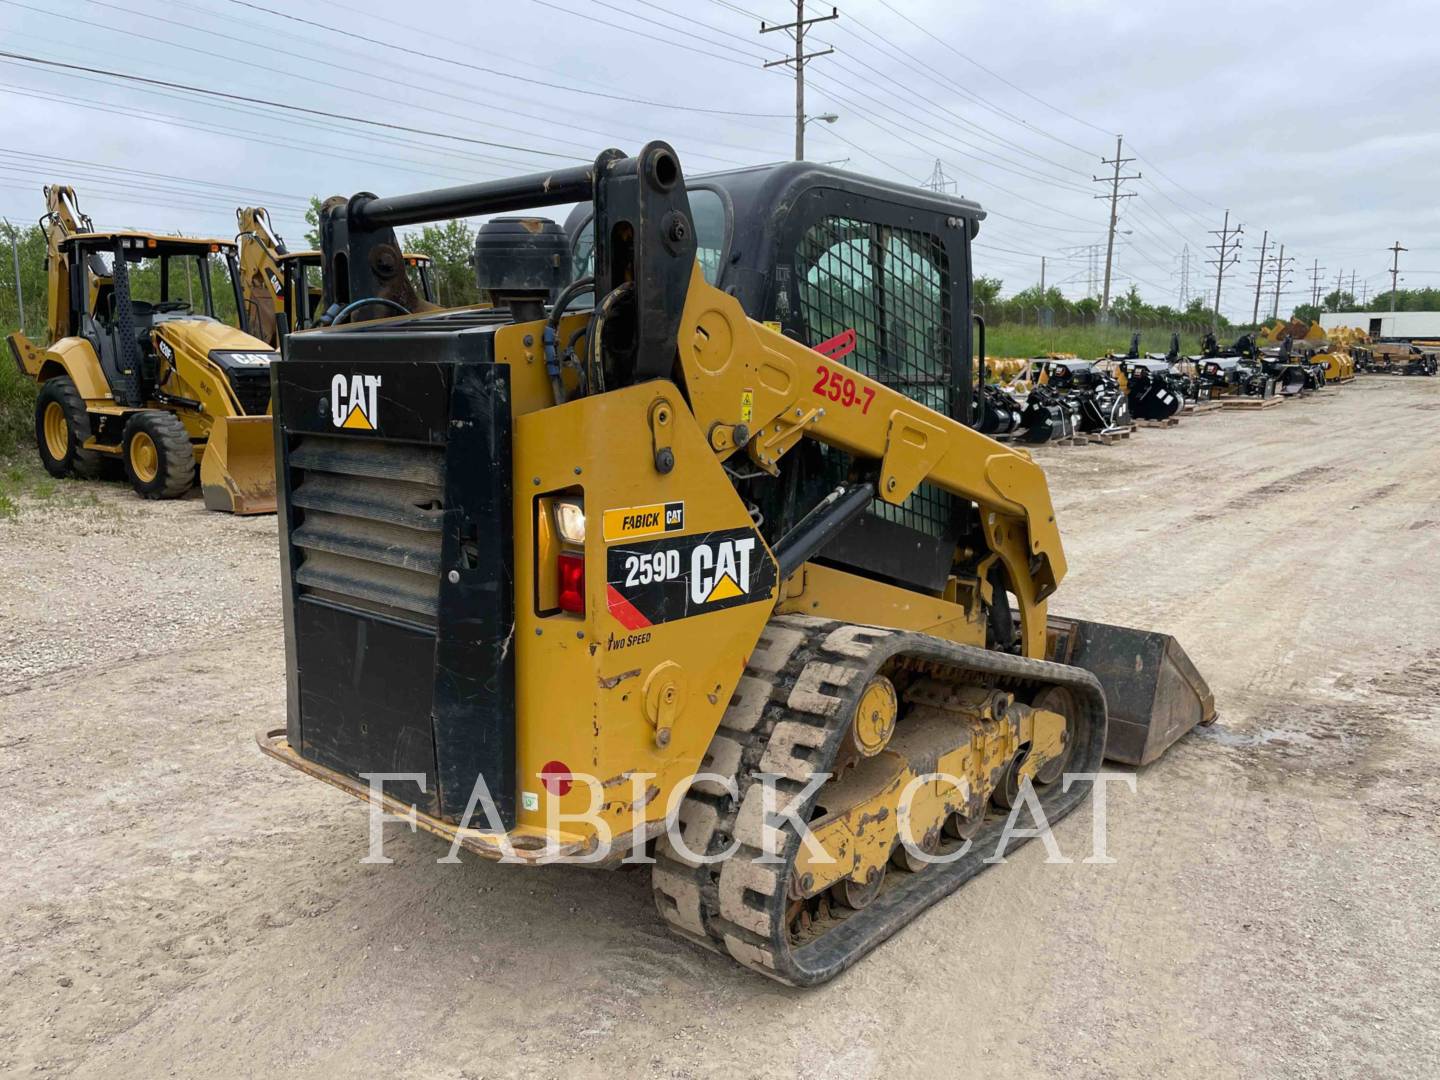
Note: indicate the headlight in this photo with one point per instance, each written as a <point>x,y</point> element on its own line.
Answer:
<point>570,521</point>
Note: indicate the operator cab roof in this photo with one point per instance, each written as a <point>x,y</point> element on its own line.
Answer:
<point>157,242</point>
<point>775,184</point>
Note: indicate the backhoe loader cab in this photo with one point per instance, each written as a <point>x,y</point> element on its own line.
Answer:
<point>282,288</point>
<point>302,286</point>
<point>725,520</point>
<point>149,364</point>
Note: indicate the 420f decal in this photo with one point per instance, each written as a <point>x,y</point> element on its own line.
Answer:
<point>663,580</point>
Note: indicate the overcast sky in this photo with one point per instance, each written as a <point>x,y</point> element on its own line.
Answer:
<point>1315,121</point>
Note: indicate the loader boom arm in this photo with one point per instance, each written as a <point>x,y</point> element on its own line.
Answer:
<point>753,386</point>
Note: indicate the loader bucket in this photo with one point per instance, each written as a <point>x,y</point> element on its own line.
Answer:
<point>1153,691</point>
<point>237,473</point>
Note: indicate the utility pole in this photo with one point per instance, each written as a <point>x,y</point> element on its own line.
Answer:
<point>19,293</point>
<point>1280,272</point>
<point>1395,272</point>
<point>1042,278</point>
<point>1228,254</point>
<point>1364,294</point>
<point>1184,276</point>
<point>1260,275</point>
<point>1115,196</point>
<point>797,30</point>
<point>1339,288</point>
<point>1352,286</point>
<point>1315,271</point>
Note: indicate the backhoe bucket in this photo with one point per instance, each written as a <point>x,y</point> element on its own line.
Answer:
<point>1153,691</point>
<point>237,473</point>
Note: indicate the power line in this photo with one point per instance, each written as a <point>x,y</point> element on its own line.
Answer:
<point>1007,82</point>
<point>41,61</point>
<point>909,61</point>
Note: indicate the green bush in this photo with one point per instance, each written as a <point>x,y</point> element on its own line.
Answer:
<point>17,408</point>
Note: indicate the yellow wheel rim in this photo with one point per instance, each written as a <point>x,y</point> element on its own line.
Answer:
<point>144,458</point>
<point>57,431</point>
<point>874,720</point>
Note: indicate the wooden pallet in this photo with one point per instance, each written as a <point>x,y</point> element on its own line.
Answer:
<point>1169,421</point>
<point>1108,438</point>
<point>1069,440</point>
<point>1253,404</point>
<point>1199,408</point>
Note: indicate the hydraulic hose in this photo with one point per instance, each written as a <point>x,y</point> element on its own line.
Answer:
<point>344,313</point>
<point>552,330</point>
<point>603,310</point>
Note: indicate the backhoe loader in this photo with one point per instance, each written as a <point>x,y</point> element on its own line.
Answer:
<point>141,369</point>
<point>282,287</point>
<point>714,569</point>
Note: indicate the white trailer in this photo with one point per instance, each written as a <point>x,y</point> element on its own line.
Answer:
<point>1398,325</point>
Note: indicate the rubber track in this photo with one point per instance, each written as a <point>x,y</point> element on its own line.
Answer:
<point>787,716</point>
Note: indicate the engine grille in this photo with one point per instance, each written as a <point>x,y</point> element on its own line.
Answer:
<point>367,520</point>
<point>252,388</point>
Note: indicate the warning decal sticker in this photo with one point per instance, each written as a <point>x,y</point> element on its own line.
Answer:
<point>662,580</point>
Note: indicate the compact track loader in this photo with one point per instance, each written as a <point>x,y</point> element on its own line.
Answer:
<point>156,383</point>
<point>540,563</point>
<point>282,287</point>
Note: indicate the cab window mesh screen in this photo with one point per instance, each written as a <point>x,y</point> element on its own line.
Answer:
<point>890,286</point>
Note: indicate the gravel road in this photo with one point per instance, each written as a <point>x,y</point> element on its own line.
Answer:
<point>175,904</point>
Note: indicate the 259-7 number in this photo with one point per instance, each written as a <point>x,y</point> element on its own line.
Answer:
<point>837,386</point>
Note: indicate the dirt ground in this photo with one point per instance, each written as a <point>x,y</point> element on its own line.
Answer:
<point>175,904</point>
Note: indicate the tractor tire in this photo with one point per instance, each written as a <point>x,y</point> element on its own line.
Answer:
<point>61,427</point>
<point>159,461</point>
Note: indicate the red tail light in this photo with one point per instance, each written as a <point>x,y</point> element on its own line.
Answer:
<point>572,582</point>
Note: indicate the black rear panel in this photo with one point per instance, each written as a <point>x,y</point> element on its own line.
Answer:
<point>395,477</point>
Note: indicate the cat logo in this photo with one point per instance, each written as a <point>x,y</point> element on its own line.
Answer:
<point>649,582</point>
<point>720,571</point>
<point>355,402</point>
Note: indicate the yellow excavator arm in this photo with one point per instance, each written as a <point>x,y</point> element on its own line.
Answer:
<point>261,278</point>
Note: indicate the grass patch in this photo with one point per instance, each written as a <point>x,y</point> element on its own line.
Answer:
<point>1086,342</point>
<point>23,480</point>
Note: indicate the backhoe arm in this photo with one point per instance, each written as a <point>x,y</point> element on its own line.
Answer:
<point>62,220</point>
<point>261,280</point>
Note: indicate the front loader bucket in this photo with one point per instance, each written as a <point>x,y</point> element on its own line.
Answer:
<point>1153,691</point>
<point>237,473</point>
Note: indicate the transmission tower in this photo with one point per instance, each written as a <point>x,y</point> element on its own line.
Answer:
<point>938,180</point>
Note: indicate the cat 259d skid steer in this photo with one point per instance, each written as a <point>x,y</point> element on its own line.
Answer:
<point>141,370</point>
<point>540,563</point>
